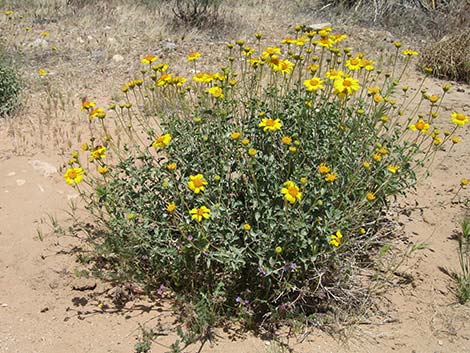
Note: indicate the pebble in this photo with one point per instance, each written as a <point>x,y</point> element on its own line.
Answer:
<point>43,168</point>
<point>118,58</point>
<point>20,182</point>
<point>4,305</point>
<point>11,174</point>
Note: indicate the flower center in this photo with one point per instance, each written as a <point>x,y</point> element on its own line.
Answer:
<point>293,191</point>
<point>270,122</point>
<point>420,125</point>
<point>197,183</point>
<point>347,83</point>
<point>460,117</point>
<point>200,212</point>
<point>72,174</point>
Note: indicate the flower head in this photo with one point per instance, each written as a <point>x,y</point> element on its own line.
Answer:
<point>330,177</point>
<point>193,56</point>
<point>314,84</point>
<point>335,239</point>
<point>270,124</point>
<point>197,183</point>
<point>459,119</point>
<point>99,152</point>
<point>393,168</point>
<point>162,141</point>
<point>291,192</point>
<point>171,207</point>
<point>73,176</point>
<point>200,213</point>
<point>323,168</point>
<point>148,59</point>
<point>216,92</point>
<point>346,85</point>
<point>421,126</point>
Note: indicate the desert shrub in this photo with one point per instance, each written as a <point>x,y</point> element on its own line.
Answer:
<point>429,19</point>
<point>253,189</point>
<point>450,57</point>
<point>197,13</point>
<point>10,88</point>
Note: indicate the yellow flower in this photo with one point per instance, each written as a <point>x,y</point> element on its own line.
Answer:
<point>200,213</point>
<point>73,176</point>
<point>171,166</point>
<point>45,34</point>
<point>160,67</point>
<point>370,196</point>
<point>270,124</point>
<point>377,98</point>
<point>323,168</point>
<point>303,180</point>
<point>278,250</point>
<point>270,51</point>
<point>8,12</point>
<point>282,66</point>
<point>235,135</point>
<point>247,51</point>
<point>215,92</point>
<point>456,139</point>
<point>171,207</point>
<point>313,68</point>
<point>42,72</point>
<point>464,182</point>
<point>314,84</point>
<point>324,42</point>
<point>252,152</point>
<point>102,169</point>
<point>246,227</point>
<point>97,113</point>
<point>408,52</point>
<point>286,140</point>
<point>330,177</point>
<point>366,164</point>
<point>334,74</point>
<point>85,147</point>
<point>99,152</point>
<point>87,105</point>
<point>245,141</point>
<point>291,192</point>
<point>354,64</point>
<point>148,59</point>
<point>293,149</point>
<point>197,183</point>
<point>193,56</point>
<point>162,141</point>
<point>376,157</point>
<point>383,150</point>
<point>397,44</point>
<point>393,168</point>
<point>433,99</point>
<point>335,239</point>
<point>459,119</point>
<point>421,126</point>
<point>345,86</point>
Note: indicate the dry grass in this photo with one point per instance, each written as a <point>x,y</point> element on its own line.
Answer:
<point>450,57</point>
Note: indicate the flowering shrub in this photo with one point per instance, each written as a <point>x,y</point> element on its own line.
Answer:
<point>250,190</point>
<point>9,90</point>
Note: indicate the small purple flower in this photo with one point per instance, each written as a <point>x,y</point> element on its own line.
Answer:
<point>161,290</point>
<point>293,266</point>
<point>190,237</point>
<point>238,300</point>
<point>241,301</point>
<point>262,272</point>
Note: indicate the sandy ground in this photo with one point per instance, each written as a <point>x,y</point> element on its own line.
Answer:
<point>45,308</point>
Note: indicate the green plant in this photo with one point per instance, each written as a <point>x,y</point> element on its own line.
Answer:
<point>463,278</point>
<point>254,191</point>
<point>10,88</point>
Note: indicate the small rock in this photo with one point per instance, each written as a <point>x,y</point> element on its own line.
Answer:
<point>318,26</point>
<point>169,46</point>
<point>39,43</point>
<point>83,284</point>
<point>43,168</point>
<point>11,174</point>
<point>118,58</point>
<point>4,305</point>
<point>20,182</point>
<point>80,40</point>
<point>45,309</point>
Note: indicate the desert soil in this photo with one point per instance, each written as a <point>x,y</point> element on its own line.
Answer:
<point>45,308</point>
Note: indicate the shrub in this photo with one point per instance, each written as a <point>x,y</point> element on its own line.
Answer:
<point>253,190</point>
<point>9,90</point>
<point>197,13</point>
<point>450,57</point>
